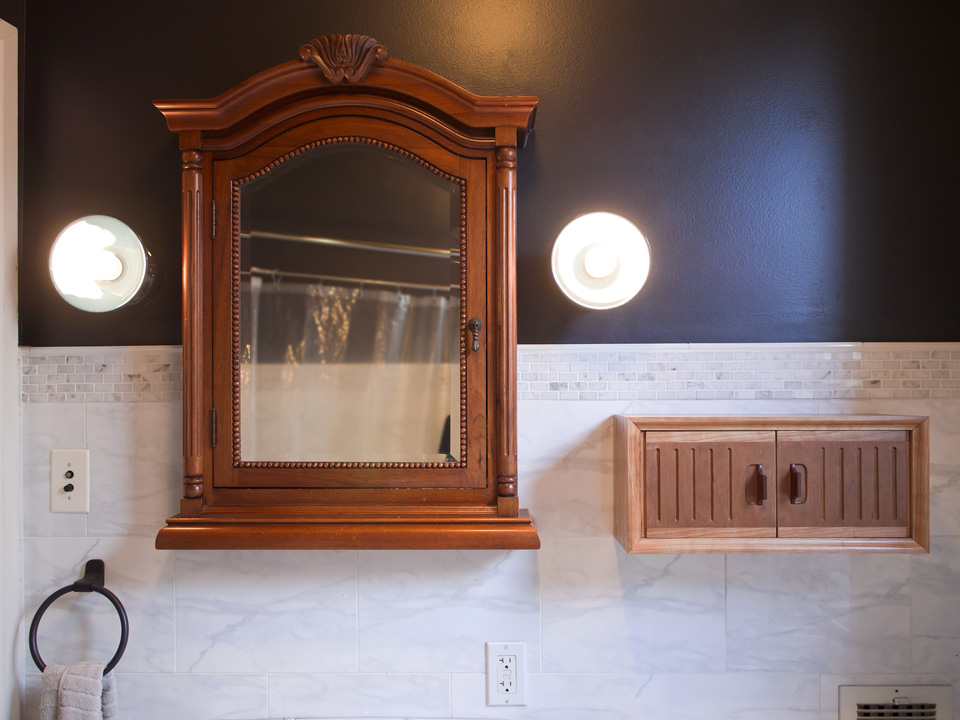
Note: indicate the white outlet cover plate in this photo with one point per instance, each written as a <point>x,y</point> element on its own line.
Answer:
<point>63,464</point>
<point>506,689</point>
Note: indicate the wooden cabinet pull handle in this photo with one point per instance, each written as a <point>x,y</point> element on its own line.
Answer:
<point>761,485</point>
<point>798,492</point>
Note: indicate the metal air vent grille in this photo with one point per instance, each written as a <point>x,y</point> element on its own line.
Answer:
<point>892,710</point>
<point>896,702</point>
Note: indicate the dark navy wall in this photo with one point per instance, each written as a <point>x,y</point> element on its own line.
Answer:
<point>793,163</point>
<point>12,12</point>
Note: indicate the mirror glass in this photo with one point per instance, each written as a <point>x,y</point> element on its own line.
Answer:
<point>350,290</point>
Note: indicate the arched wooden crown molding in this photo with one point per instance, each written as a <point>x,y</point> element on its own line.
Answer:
<point>343,58</point>
<point>333,67</point>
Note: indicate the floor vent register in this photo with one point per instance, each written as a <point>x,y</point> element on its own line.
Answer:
<point>900,702</point>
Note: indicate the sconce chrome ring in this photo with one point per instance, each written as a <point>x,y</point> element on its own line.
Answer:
<point>99,264</point>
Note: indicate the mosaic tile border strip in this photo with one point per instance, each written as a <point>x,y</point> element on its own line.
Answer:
<point>569,372</point>
<point>740,373</point>
<point>101,375</point>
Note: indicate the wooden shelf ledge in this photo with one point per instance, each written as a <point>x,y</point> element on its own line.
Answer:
<point>244,531</point>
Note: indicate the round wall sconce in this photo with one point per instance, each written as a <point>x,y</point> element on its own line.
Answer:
<point>98,264</point>
<point>600,260</point>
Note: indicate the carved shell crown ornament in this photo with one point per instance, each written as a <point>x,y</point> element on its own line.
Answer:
<point>343,58</point>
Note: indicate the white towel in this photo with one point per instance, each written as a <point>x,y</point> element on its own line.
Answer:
<point>78,692</point>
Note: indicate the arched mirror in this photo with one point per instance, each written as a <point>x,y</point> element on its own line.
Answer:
<point>349,329</point>
<point>349,319</point>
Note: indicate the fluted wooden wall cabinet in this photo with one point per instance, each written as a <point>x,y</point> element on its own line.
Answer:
<point>772,484</point>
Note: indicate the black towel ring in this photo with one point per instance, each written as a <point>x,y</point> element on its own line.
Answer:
<point>92,581</point>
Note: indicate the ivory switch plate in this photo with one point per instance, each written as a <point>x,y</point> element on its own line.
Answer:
<point>70,481</point>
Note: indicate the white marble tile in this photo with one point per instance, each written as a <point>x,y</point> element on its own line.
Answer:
<point>266,611</point>
<point>944,431</point>
<point>45,427</point>
<point>944,500</point>
<point>606,611</point>
<point>936,599</point>
<point>728,696</point>
<point>136,466</point>
<point>594,696</point>
<point>432,611</point>
<point>818,613</point>
<point>359,695</point>
<point>565,465</point>
<point>30,695</point>
<point>830,688</point>
<point>192,696</point>
<point>162,696</point>
<point>85,626</point>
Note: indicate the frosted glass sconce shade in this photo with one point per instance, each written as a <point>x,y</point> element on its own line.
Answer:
<point>98,264</point>
<point>600,260</point>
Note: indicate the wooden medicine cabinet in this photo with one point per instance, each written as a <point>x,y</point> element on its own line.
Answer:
<point>349,335</point>
<point>772,484</point>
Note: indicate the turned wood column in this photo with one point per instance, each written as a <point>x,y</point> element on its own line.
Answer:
<point>193,431</point>
<point>508,504</point>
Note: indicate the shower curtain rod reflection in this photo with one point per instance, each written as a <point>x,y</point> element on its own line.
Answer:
<point>452,254</point>
<point>264,272</point>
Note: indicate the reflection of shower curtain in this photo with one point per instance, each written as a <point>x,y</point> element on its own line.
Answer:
<point>337,373</point>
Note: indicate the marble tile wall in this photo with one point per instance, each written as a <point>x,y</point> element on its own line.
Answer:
<point>717,372</point>
<point>111,375</point>
<point>397,634</point>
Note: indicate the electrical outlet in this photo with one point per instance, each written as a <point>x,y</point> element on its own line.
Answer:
<point>70,481</point>
<point>506,673</point>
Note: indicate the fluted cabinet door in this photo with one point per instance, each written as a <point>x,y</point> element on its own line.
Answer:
<point>711,484</point>
<point>843,483</point>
